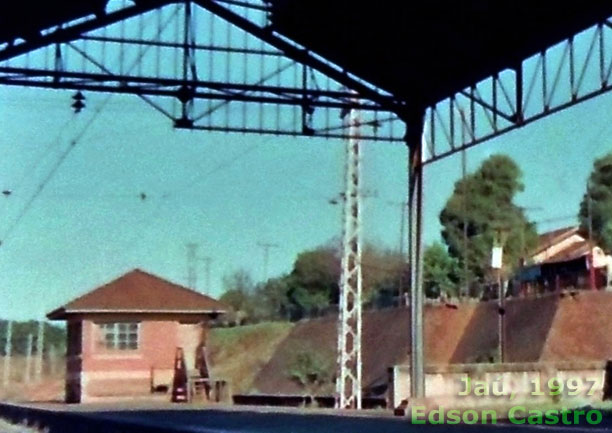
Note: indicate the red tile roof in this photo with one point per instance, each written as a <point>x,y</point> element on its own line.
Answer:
<point>140,292</point>
<point>572,252</point>
<point>548,239</point>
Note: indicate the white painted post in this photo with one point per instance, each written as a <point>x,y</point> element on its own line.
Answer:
<point>6,373</point>
<point>27,372</point>
<point>51,356</point>
<point>39,350</point>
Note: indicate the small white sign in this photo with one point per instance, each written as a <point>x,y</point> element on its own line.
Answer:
<point>496,257</point>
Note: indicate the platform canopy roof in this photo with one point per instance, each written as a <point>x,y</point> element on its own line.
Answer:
<point>425,51</point>
<point>421,52</point>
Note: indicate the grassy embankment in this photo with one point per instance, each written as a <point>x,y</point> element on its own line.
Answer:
<point>237,354</point>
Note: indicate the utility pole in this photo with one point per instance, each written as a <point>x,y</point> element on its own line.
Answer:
<point>266,256</point>
<point>192,262</point>
<point>464,204</point>
<point>497,254</point>
<point>192,276</point>
<point>415,141</point>
<point>6,372</point>
<point>348,383</point>
<point>28,369</point>
<point>40,339</point>
<point>402,230</point>
<point>590,256</point>
<point>207,261</point>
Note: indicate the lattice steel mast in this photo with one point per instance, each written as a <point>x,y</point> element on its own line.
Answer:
<point>348,382</point>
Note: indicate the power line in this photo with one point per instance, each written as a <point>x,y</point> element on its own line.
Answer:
<point>220,166</point>
<point>207,261</point>
<point>556,219</point>
<point>32,167</point>
<point>266,246</point>
<point>53,171</point>
<point>192,276</point>
<point>170,194</point>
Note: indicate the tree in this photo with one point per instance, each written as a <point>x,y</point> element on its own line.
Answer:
<point>312,369</point>
<point>599,188</point>
<point>54,336</point>
<point>313,282</point>
<point>270,299</point>
<point>239,294</point>
<point>485,200</point>
<point>440,272</point>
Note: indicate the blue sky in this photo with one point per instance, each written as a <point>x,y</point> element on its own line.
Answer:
<point>227,192</point>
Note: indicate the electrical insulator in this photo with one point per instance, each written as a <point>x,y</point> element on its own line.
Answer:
<point>79,102</point>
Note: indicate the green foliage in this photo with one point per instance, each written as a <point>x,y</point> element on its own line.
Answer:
<point>239,281</point>
<point>485,200</point>
<point>312,287</point>
<point>313,282</point>
<point>311,369</point>
<point>599,187</point>
<point>53,336</point>
<point>440,272</point>
<point>239,294</point>
<point>383,272</point>
<point>271,301</point>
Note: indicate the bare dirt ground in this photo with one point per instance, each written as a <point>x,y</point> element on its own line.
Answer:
<point>47,390</point>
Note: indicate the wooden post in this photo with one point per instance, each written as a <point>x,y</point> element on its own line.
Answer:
<point>6,373</point>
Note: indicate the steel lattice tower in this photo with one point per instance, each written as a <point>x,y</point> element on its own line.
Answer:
<point>348,382</point>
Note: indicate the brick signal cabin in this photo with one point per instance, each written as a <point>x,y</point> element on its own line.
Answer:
<point>122,336</point>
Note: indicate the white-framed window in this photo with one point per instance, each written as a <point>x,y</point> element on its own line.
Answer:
<point>119,335</point>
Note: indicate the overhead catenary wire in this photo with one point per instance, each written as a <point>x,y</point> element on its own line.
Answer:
<point>41,186</point>
<point>133,242</point>
<point>27,173</point>
<point>65,154</point>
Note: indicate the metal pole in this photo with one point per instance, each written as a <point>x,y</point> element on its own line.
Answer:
<point>500,317</point>
<point>192,275</point>
<point>590,256</point>
<point>6,373</point>
<point>404,206</point>
<point>207,261</point>
<point>466,283</point>
<point>348,383</point>
<point>415,190</point>
<point>266,255</point>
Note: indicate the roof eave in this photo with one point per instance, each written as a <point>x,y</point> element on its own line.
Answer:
<point>63,313</point>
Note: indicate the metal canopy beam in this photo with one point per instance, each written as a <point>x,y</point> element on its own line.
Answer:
<point>313,89</point>
<point>170,51</point>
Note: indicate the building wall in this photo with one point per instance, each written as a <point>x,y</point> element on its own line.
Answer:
<point>445,385</point>
<point>123,373</point>
<point>74,362</point>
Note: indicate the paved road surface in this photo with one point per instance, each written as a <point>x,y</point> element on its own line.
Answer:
<point>214,421</point>
<point>254,421</point>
